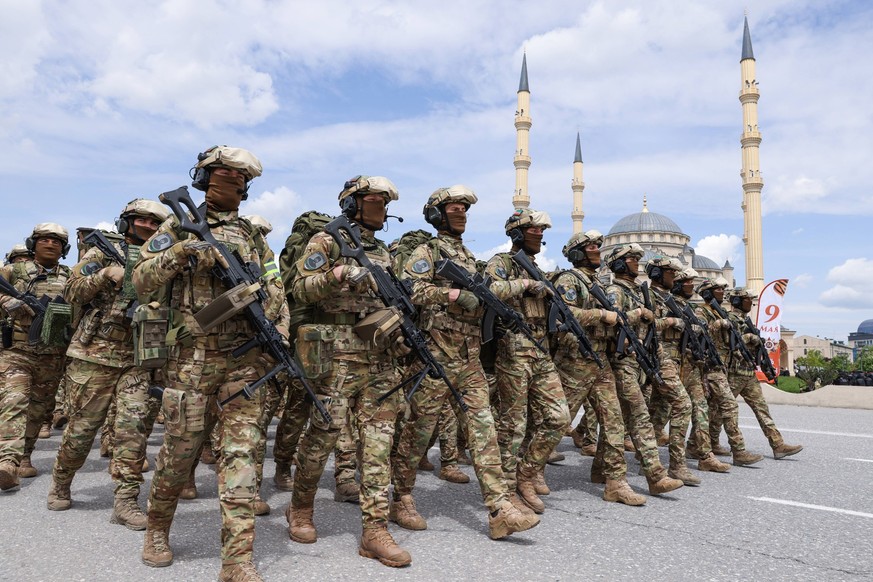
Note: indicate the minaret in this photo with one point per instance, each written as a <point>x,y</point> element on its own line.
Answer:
<point>578,186</point>
<point>751,172</point>
<point>521,198</point>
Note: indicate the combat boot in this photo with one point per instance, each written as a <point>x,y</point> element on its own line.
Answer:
<point>745,458</point>
<point>453,474</point>
<point>259,506</point>
<point>45,431</point>
<point>589,450</point>
<point>555,458</point>
<point>404,514</point>
<point>126,512</point>
<point>663,439</point>
<point>520,505</point>
<point>348,492</point>
<point>597,476</point>
<point>425,465</point>
<point>784,450</point>
<point>663,485</point>
<point>578,439</point>
<point>189,491</point>
<point>691,452</point>
<point>377,543</point>
<point>300,526</point>
<point>242,572</point>
<point>719,450</point>
<point>26,469</point>
<point>59,498</point>
<point>207,457</point>
<point>59,420</point>
<point>620,491</point>
<point>540,483</point>
<point>283,479</point>
<point>508,519</point>
<point>525,488</point>
<point>710,463</point>
<point>629,445</point>
<point>685,475</point>
<point>8,475</point>
<point>156,550</point>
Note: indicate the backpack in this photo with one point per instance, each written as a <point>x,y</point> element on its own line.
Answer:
<point>405,245</point>
<point>305,227</point>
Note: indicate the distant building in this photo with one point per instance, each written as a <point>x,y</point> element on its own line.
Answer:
<point>829,348</point>
<point>863,337</point>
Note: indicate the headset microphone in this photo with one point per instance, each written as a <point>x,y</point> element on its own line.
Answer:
<point>399,218</point>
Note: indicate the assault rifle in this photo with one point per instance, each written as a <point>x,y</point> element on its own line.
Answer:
<point>558,310</point>
<point>736,339</point>
<point>242,278</point>
<point>626,334</point>
<point>99,240</point>
<point>702,348</point>
<point>395,294</point>
<point>651,340</point>
<point>494,307</point>
<point>37,305</point>
<point>762,358</point>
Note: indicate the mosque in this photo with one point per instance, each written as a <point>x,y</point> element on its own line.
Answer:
<point>658,234</point>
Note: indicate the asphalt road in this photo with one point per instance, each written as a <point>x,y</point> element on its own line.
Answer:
<point>808,517</point>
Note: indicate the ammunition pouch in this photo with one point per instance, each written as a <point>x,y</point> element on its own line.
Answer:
<point>6,334</point>
<point>92,321</point>
<point>128,291</point>
<point>195,412</point>
<point>314,350</point>
<point>173,406</point>
<point>151,323</point>
<point>55,331</point>
<point>226,305</point>
<point>378,327</point>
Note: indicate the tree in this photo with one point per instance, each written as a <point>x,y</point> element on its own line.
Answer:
<point>864,363</point>
<point>813,368</point>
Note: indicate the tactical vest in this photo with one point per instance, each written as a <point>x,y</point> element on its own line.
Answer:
<point>30,277</point>
<point>450,317</point>
<point>626,297</point>
<point>598,333</point>
<point>721,337</point>
<point>533,308</point>
<point>345,307</point>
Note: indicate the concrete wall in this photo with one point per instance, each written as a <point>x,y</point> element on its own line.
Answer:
<point>828,396</point>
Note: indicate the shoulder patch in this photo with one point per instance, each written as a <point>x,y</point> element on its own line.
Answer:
<point>90,268</point>
<point>421,266</point>
<point>500,272</point>
<point>570,294</point>
<point>613,297</point>
<point>314,261</point>
<point>160,243</point>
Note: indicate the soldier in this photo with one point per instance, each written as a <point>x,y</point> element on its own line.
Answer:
<point>350,372</point>
<point>625,295</point>
<point>201,370</point>
<point>742,377</point>
<point>661,272</point>
<point>692,376</point>
<point>523,371</point>
<point>18,254</point>
<point>31,373</point>
<point>100,368</point>
<point>451,318</point>
<point>723,402</point>
<point>582,378</point>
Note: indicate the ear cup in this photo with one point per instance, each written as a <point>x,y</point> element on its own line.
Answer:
<point>349,207</point>
<point>516,236</point>
<point>29,243</point>
<point>65,250</point>
<point>122,225</point>
<point>433,216</point>
<point>706,294</point>
<point>618,266</point>
<point>200,179</point>
<point>656,273</point>
<point>576,255</point>
<point>737,301</point>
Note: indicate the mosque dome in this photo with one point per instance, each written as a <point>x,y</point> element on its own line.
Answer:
<point>866,327</point>
<point>645,221</point>
<point>699,262</point>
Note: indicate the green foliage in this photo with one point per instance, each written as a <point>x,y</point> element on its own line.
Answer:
<point>790,384</point>
<point>814,369</point>
<point>864,362</point>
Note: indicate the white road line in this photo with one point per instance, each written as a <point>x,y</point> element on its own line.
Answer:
<point>825,432</point>
<point>859,460</point>
<point>810,506</point>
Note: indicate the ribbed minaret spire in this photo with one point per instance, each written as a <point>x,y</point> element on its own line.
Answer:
<point>578,186</point>
<point>753,183</point>
<point>521,198</point>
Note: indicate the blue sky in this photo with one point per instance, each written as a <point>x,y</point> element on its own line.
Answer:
<point>107,101</point>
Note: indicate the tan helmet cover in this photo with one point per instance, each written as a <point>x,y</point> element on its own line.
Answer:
<point>145,208</point>
<point>709,284</point>
<point>367,184</point>
<point>18,250</point>
<point>50,229</point>
<point>237,158</point>
<point>456,193</point>
<point>260,223</point>
<point>687,273</point>
<point>583,239</point>
<point>523,217</point>
<point>627,250</point>
<point>741,292</point>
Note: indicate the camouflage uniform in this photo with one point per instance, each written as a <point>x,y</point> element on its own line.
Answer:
<point>202,372</point>
<point>455,341</point>
<point>30,373</point>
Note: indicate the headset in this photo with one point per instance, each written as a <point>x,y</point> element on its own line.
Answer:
<point>577,255</point>
<point>30,244</point>
<point>122,225</point>
<point>433,215</point>
<point>618,266</point>
<point>707,295</point>
<point>737,301</point>
<point>655,273</point>
<point>349,204</point>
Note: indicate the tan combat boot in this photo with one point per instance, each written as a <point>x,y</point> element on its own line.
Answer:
<point>684,474</point>
<point>629,445</point>
<point>156,550</point>
<point>784,450</point>
<point>520,505</point>
<point>189,491</point>
<point>663,485</point>
<point>453,474</point>
<point>719,450</point>
<point>207,457</point>
<point>26,468</point>
<point>45,431</point>
<point>403,513</point>
<point>259,506</point>
<point>508,519</point>
<point>745,458</point>
<point>540,483</point>
<point>589,450</point>
<point>126,512</point>
<point>59,420</point>
<point>377,543</point>
<point>710,463</point>
<point>526,490</point>
<point>59,498</point>
<point>301,529</point>
<point>348,492</point>
<point>8,475</point>
<point>425,465</point>
<point>283,479</point>
<point>556,457</point>
<point>242,572</point>
<point>620,491</point>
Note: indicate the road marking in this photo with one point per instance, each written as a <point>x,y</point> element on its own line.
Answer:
<point>825,432</point>
<point>859,460</point>
<point>810,506</point>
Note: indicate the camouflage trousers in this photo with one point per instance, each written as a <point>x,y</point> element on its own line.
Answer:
<point>352,387</point>
<point>203,382</point>
<point>91,388</point>
<point>27,391</point>
<point>672,396</point>
<point>523,377</point>
<point>628,382</point>
<point>430,404</point>
<point>587,427</point>
<point>723,410</point>
<point>747,385</point>
<point>692,379</point>
<point>583,379</point>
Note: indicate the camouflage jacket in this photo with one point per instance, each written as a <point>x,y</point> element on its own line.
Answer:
<point>625,296</point>
<point>448,325</point>
<point>718,330</point>
<point>104,335</point>
<point>573,285</point>
<point>31,277</point>
<point>670,336</point>
<point>750,338</point>
<point>187,291</point>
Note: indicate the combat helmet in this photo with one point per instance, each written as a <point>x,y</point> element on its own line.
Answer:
<point>48,230</point>
<point>17,251</point>
<point>523,218</point>
<point>261,223</point>
<point>655,268</point>
<point>225,157</point>
<point>433,211</point>
<point>574,250</point>
<point>736,296</point>
<point>615,260</point>
<point>365,185</point>
<point>705,288</point>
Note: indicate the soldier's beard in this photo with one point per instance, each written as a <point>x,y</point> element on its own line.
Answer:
<point>372,214</point>
<point>225,192</point>
<point>456,222</point>
<point>532,242</point>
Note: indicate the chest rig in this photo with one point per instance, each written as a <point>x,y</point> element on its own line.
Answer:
<point>449,317</point>
<point>346,306</point>
<point>533,308</point>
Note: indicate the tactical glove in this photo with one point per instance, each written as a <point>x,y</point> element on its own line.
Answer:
<point>675,322</point>
<point>113,273</point>
<point>608,317</point>
<point>18,309</point>
<point>200,251</point>
<point>536,288</point>
<point>467,301</point>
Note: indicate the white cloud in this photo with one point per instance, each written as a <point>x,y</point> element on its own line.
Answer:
<point>788,196</point>
<point>720,247</point>
<point>280,207</point>
<point>853,281</point>
<point>108,226</point>
<point>544,262</point>
<point>803,280</point>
